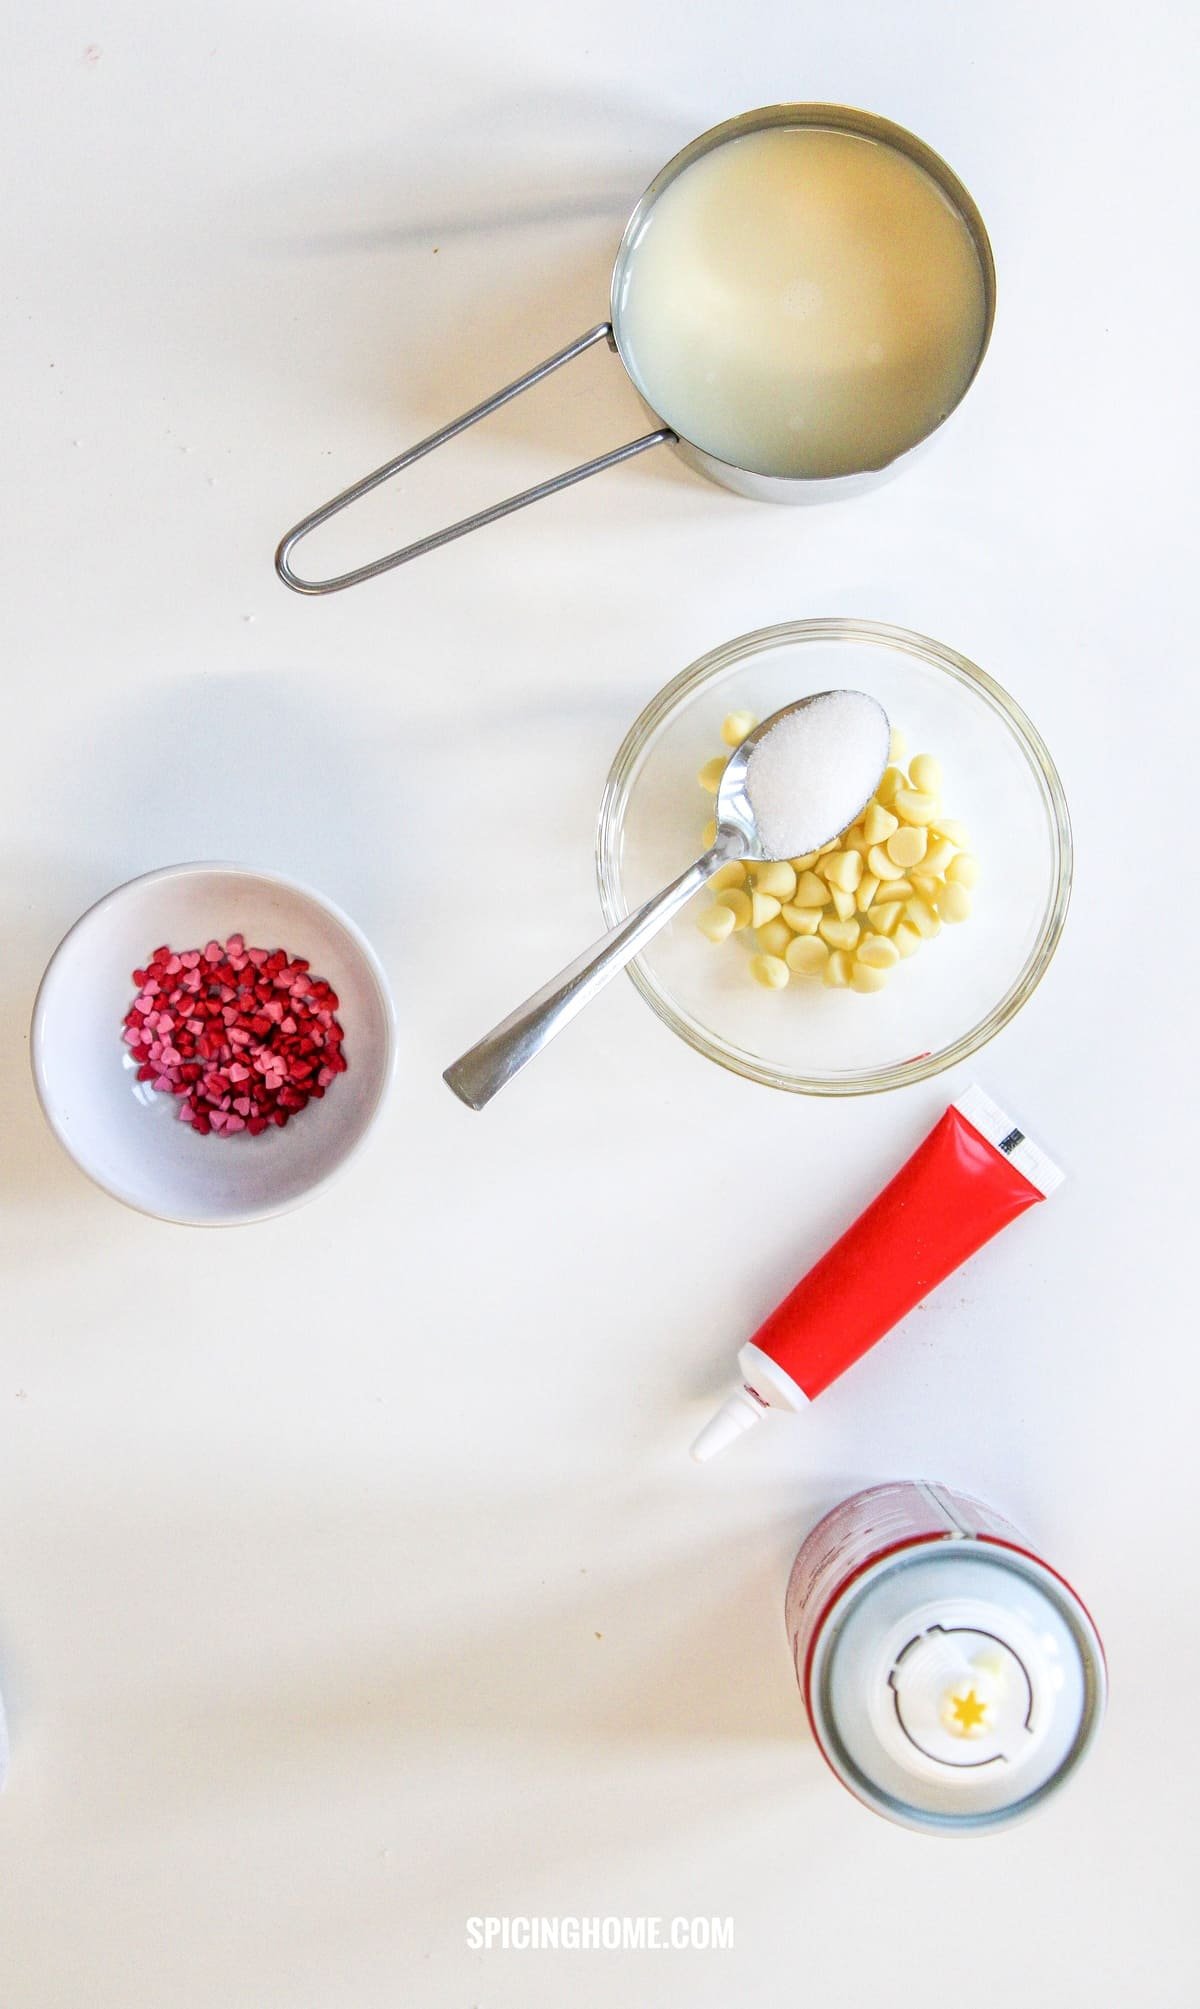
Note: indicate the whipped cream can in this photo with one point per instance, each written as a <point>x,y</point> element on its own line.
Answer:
<point>952,1678</point>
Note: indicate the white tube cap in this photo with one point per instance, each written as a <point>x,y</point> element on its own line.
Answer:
<point>738,1413</point>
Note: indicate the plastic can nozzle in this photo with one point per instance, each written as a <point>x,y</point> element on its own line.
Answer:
<point>738,1413</point>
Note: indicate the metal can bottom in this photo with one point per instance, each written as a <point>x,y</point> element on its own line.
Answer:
<point>953,1680</point>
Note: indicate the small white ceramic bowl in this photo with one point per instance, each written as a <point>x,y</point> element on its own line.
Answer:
<point>127,1138</point>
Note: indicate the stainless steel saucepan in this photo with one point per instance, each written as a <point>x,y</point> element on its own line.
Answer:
<point>744,480</point>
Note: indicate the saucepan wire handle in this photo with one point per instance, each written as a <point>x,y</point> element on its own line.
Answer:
<point>283,557</point>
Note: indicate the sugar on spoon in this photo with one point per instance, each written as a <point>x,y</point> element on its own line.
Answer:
<point>798,779</point>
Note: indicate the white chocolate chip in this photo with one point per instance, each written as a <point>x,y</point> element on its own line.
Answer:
<point>802,920</point>
<point>774,938</point>
<point>810,891</point>
<point>777,878</point>
<point>906,846</point>
<point>763,908</point>
<point>878,824</point>
<point>840,934</point>
<point>716,922</point>
<point>739,907</point>
<point>921,916</point>
<point>843,869</point>
<point>769,971</point>
<point>954,902</point>
<point>881,865</point>
<point>938,857</point>
<point>925,773</point>
<point>912,805</point>
<point>877,952</point>
<point>737,726</point>
<point>807,955</point>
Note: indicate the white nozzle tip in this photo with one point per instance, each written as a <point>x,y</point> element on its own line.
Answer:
<point>738,1413</point>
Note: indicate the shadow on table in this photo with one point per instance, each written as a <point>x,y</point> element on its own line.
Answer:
<point>283,770</point>
<point>279,1683</point>
<point>528,160</point>
<point>447,297</point>
<point>260,770</point>
<point>687,1652</point>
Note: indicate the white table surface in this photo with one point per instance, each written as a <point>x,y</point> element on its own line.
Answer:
<point>354,1579</point>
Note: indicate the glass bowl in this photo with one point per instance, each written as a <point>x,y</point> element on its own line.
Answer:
<point>941,1004</point>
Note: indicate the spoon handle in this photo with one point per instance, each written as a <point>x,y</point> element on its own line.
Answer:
<point>508,1047</point>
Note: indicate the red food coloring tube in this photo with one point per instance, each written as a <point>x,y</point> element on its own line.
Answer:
<point>974,1173</point>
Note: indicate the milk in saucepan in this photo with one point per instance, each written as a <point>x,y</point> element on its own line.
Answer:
<point>803,302</point>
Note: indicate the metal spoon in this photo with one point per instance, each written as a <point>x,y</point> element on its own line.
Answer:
<point>483,1070</point>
